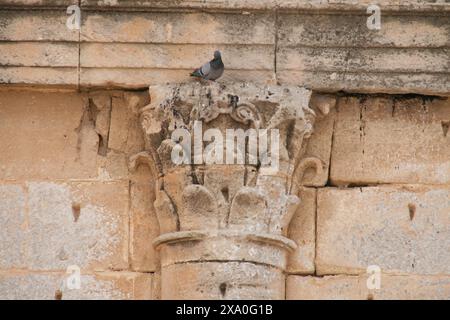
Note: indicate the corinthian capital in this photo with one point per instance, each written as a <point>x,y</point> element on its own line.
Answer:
<point>224,225</point>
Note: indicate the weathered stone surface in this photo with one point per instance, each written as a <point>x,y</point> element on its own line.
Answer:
<point>331,287</point>
<point>67,77</point>
<point>183,28</point>
<point>368,82</point>
<point>400,229</point>
<point>12,226</point>
<point>144,225</point>
<point>303,231</point>
<point>389,5</point>
<point>391,140</point>
<point>319,144</point>
<point>212,280</point>
<point>134,102</point>
<point>36,3</point>
<point>84,224</point>
<point>114,166</point>
<point>350,30</point>
<point>410,287</point>
<point>46,135</point>
<point>115,115</point>
<point>51,286</point>
<point>100,113</point>
<point>140,78</point>
<point>342,5</point>
<point>364,60</point>
<point>174,56</point>
<point>125,134</point>
<point>39,54</point>
<point>119,125</point>
<point>322,51</point>
<point>381,69</point>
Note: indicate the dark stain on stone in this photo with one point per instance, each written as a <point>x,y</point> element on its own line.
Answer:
<point>58,295</point>
<point>412,211</point>
<point>223,289</point>
<point>76,210</point>
<point>445,126</point>
<point>225,193</point>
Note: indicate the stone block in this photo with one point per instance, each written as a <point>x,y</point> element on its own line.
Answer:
<point>392,287</point>
<point>367,82</point>
<point>319,144</point>
<point>350,30</point>
<point>46,135</point>
<point>404,5</point>
<point>114,166</point>
<point>413,60</point>
<point>144,225</point>
<point>119,125</point>
<point>391,140</point>
<point>302,230</point>
<point>13,226</point>
<point>57,77</point>
<point>32,25</point>
<point>97,286</point>
<point>125,134</point>
<point>400,229</point>
<point>81,223</point>
<point>217,280</point>
<point>174,56</point>
<point>174,27</point>
<point>39,54</point>
<point>142,77</point>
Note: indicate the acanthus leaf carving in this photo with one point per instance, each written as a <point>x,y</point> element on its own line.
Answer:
<point>238,207</point>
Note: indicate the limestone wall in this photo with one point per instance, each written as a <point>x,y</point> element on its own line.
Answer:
<point>67,198</point>
<point>386,203</point>
<point>69,122</point>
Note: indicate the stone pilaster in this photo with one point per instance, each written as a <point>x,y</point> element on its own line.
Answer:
<point>223,227</point>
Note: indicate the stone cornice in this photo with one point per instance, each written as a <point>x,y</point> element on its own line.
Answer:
<point>151,43</point>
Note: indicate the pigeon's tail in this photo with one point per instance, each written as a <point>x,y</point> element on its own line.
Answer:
<point>196,73</point>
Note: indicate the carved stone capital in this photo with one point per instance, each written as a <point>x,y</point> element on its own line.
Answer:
<point>223,226</point>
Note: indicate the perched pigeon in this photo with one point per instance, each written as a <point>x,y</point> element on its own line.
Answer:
<point>212,70</point>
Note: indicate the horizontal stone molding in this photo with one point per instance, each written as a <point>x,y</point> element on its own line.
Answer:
<point>328,49</point>
<point>397,5</point>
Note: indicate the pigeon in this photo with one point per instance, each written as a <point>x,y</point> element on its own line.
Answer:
<point>212,70</point>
